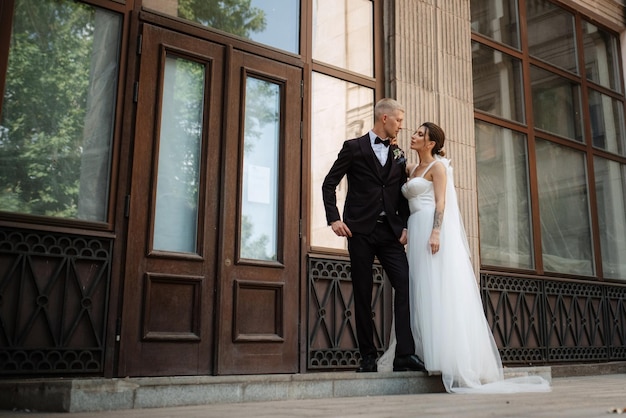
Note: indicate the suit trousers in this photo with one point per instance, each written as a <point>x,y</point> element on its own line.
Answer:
<point>381,243</point>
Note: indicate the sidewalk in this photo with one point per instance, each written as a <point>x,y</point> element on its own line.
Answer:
<point>572,397</point>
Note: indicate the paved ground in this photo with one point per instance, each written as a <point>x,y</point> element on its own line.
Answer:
<point>582,397</point>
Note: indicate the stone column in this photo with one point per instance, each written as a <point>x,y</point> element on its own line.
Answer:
<point>429,70</point>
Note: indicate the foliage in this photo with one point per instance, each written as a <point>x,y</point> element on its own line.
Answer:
<point>44,107</point>
<point>46,92</point>
<point>253,248</point>
<point>232,16</point>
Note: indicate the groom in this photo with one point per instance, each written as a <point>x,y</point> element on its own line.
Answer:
<point>374,222</point>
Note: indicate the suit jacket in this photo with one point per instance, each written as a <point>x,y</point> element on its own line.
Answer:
<point>370,191</point>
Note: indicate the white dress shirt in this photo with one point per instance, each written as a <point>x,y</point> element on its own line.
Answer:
<point>380,150</point>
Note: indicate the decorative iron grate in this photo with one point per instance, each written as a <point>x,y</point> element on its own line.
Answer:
<point>53,302</point>
<point>537,321</point>
<point>534,320</point>
<point>332,343</point>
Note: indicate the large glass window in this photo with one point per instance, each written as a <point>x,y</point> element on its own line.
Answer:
<point>496,19</point>
<point>564,209</point>
<point>342,110</point>
<point>56,131</point>
<point>343,93</point>
<point>551,34</point>
<point>271,22</point>
<point>611,202</point>
<point>606,116</point>
<point>542,179</point>
<point>497,83</point>
<point>556,104</point>
<point>601,57</point>
<point>503,197</point>
<point>343,34</point>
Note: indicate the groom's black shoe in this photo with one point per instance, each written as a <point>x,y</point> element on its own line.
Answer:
<point>408,363</point>
<point>368,365</point>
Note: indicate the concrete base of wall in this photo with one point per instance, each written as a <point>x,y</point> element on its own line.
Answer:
<point>99,394</point>
<point>591,369</point>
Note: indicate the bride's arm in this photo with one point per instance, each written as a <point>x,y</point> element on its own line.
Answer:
<point>439,185</point>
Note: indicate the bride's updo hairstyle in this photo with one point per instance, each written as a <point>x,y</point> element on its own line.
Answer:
<point>436,134</point>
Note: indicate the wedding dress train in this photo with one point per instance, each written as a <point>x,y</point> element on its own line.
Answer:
<point>449,327</point>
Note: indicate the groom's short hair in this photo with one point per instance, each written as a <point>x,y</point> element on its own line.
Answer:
<point>386,106</point>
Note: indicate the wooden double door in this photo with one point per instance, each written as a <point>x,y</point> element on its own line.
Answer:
<point>211,277</point>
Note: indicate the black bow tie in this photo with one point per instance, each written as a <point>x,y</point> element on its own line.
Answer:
<point>381,141</point>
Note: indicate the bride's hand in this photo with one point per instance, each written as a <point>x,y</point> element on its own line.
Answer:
<point>433,242</point>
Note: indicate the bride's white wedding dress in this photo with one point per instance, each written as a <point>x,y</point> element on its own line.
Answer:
<point>451,332</point>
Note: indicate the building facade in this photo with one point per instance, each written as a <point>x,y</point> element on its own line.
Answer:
<point>161,165</point>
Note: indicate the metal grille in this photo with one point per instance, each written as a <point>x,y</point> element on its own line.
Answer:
<point>332,343</point>
<point>534,320</point>
<point>53,302</point>
<point>549,321</point>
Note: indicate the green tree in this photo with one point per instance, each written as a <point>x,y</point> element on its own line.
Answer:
<point>43,108</point>
<point>232,16</point>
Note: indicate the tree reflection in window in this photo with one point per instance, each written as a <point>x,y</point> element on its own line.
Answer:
<point>259,207</point>
<point>57,117</point>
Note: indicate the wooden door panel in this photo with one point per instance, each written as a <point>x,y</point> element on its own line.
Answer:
<point>259,288</point>
<point>170,275</point>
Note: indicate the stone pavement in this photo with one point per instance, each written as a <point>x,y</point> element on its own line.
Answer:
<point>572,397</point>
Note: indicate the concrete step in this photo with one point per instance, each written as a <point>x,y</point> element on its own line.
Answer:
<point>100,394</point>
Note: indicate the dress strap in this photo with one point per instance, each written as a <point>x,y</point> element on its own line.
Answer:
<point>413,171</point>
<point>428,168</point>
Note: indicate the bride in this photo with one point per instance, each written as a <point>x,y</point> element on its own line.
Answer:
<point>451,332</point>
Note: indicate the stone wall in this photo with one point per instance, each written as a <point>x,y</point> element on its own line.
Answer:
<point>429,58</point>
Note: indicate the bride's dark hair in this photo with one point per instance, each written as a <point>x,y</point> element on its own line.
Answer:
<point>438,136</point>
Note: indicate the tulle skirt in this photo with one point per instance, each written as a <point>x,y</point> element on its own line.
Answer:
<point>451,332</point>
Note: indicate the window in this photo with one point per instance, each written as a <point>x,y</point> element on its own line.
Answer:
<point>344,72</point>
<point>543,178</point>
<point>343,96</point>
<point>503,197</point>
<point>497,83</point>
<point>274,23</point>
<point>56,132</point>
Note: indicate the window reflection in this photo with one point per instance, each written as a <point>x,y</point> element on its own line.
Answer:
<point>271,22</point>
<point>496,19</point>
<point>259,207</point>
<point>340,111</point>
<point>564,210</point>
<point>497,83</point>
<point>556,104</point>
<point>176,213</point>
<point>56,131</point>
<point>601,57</point>
<point>611,198</point>
<point>551,34</point>
<point>607,122</point>
<point>503,197</point>
<point>343,34</point>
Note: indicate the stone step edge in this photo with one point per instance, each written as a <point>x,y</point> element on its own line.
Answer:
<point>102,394</point>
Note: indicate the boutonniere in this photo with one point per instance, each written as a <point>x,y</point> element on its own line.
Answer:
<point>398,155</point>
